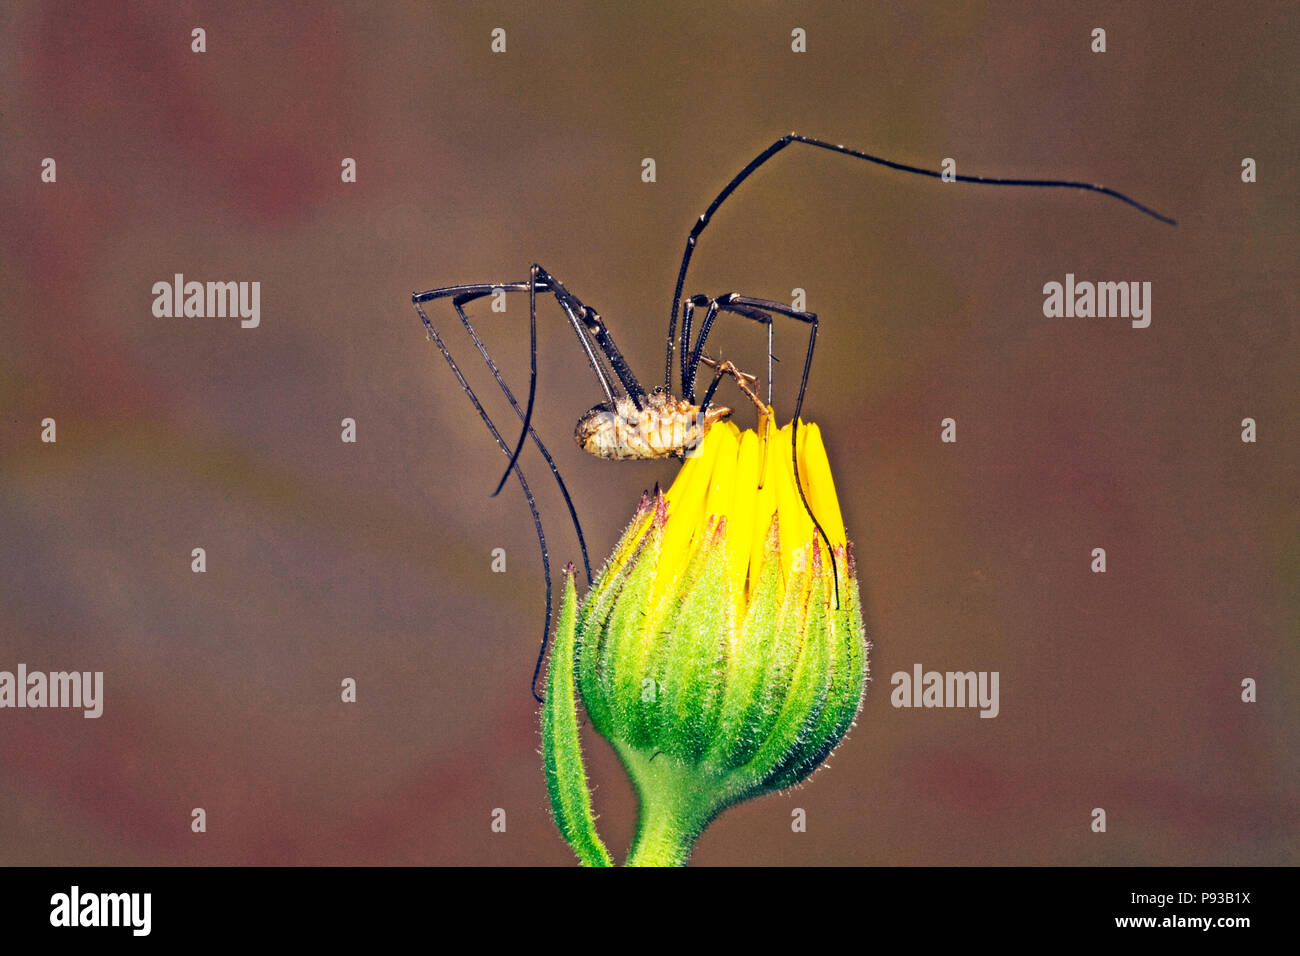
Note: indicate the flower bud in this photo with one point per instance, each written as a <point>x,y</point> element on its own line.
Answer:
<point>721,650</point>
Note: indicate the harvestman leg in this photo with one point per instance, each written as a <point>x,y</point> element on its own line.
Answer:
<point>689,366</point>
<point>460,296</point>
<point>691,357</point>
<point>758,310</point>
<point>789,138</point>
<point>589,328</point>
<point>523,483</point>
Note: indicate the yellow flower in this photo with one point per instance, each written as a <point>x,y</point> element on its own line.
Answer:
<point>721,650</point>
<point>741,480</point>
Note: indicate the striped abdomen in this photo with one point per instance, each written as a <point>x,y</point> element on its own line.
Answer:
<point>665,426</point>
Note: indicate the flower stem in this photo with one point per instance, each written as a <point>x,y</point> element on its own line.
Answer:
<point>675,809</point>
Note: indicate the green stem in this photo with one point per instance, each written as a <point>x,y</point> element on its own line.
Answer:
<point>675,809</point>
<point>661,840</point>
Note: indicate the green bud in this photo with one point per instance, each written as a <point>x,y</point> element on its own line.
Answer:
<point>711,652</point>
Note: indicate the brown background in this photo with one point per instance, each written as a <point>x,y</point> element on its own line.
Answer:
<point>328,560</point>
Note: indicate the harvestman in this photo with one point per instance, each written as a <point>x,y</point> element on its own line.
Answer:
<point>635,424</point>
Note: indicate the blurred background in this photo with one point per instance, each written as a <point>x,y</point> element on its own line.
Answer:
<point>372,560</point>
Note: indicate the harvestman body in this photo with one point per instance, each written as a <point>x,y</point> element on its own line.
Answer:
<point>632,424</point>
<point>664,427</point>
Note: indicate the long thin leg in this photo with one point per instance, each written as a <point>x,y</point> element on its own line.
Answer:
<point>587,325</point>
<point>460,296</point>
<point>586,322</point>
<point>786,140</point>
<point>770,359</point>
<point>505,390</point>
<point>544,283</point>
<point>757,310</point>
<point>691,357</point>
<point>523,483</point>
<point>688,315</point>
<point>532,371</point>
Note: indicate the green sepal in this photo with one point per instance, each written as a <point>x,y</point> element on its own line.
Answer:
<point>740,725</point>
<point>802,688</point>
<point>593,638</point>
<point>695,653</point>
<point>842,697</point>
<point>624,646</point>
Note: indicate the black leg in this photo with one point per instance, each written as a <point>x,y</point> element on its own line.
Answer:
<point>532,370</point>
<point>690,359</point>
<point>523,483</point>
<point>542,283</point>
<point>592,334</point>
<point>786,140</point>
<point>758,310</point>
<point>586,322</point>
<point>709,392</point>
<point>461,295</point>
<point>688,314</point>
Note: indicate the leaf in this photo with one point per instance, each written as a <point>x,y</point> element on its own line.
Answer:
<point>566,777</point>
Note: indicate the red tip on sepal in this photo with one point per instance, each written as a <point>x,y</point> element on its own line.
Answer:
<point>717,529</point>
<point>772,544</point>
<point>661,509</point>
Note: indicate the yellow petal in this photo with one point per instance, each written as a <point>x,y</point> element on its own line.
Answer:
<point>687,501</point>
<point>765,498</point>
<point>747,480</point>
<point>720,495</point>
<point>796,527</point>
<point>745,514</point>
<point>815,472</point>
